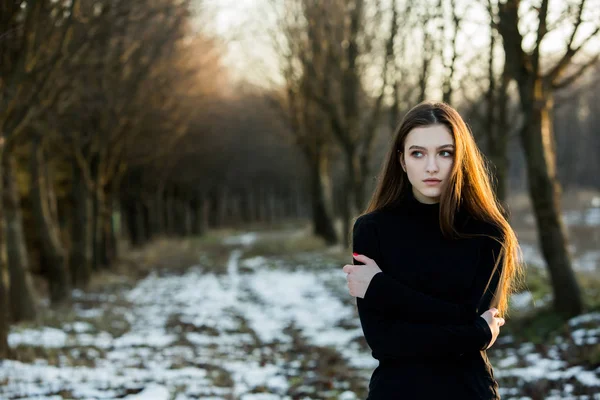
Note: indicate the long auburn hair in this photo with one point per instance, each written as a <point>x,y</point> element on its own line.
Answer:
<point>468,187</point>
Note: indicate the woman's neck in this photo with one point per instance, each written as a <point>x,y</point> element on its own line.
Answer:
<point>420,197</point>
<point>408,203</point>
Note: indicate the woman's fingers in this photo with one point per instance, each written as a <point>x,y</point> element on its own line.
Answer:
<point>362,258</point>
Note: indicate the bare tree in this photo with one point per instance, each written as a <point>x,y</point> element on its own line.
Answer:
<point>31,50</point>
<point>536,87</point>
<point>21,294</point>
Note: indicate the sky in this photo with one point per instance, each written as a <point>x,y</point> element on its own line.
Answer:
<point>239,23</point>
<point>242,25</point>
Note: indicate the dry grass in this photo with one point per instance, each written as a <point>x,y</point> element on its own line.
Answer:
<point>282,244</point>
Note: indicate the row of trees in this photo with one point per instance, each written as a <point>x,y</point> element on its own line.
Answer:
<point>117,119</point>
<point>92,94</point>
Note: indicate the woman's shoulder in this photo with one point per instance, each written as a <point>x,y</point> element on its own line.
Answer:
<point>368,218</point>
<point>374,217</point>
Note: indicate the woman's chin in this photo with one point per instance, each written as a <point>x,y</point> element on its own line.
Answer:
<point>431,195</point>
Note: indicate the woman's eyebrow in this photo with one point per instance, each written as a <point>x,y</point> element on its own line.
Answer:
<point>439,147</point>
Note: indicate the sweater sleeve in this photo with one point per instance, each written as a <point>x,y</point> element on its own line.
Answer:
<point>388,294</point>
<point>407,340</point>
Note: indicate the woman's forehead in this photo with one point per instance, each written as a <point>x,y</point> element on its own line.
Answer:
<point>429,136</point>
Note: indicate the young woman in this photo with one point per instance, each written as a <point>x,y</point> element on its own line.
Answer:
<point>439,262</point>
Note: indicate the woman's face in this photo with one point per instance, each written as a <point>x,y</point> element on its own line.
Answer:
<point>427,159</point>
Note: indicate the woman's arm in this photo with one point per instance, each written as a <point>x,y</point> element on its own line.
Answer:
<point>402,339</point>
<point>396,339</point>
<point>387,294</point>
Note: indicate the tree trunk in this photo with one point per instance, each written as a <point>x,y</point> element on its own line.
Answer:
<point>4,314</point>
<point>107,251</point>
<point>538,142</point>
<point>271,204</point>
<point>4,305</point>
<point>262,204</point>
<point>222,196</point>
<point>99,260</point>
<point>53,260</point>
<point>115,227</point>
<point>537,138</point>
<point>158,212</point>
<point>503,135</point>
<point>321,200</point>
<point>21,292</point>
<point>170,212</point>
<point>213,204</point>
<point>130,217</point>
<point>497,126</point>
<point>138,212</point>
<point>97,199</point>
<point>203,210</point>
<point>146,222</point>
<point>81,240</point>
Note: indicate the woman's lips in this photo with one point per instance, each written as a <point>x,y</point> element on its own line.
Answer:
<point>432,182</point>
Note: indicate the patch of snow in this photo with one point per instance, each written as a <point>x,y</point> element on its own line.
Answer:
<point>152,392</point>
<point>245,239</point>
<point>589,261</point>
<point>254,262</point>
<point>584,319</point>
<point>521,301</point>
<point>78,327</point>
<point>508,361</point>
<point>44,337</point>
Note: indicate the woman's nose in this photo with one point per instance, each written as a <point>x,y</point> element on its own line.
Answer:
<point>432,165</point>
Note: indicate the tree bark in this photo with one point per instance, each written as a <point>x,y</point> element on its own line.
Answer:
<point>53,260</point>
<point>139,223</point>
<point>97,203</point>
<point>130,216</point>
<point>99,260</point>
<point>544,189</point>
<point>107,239</point>
<point>321,200</point>
<point>81,238</point>
<point>4,305</point>
<point>158,214</point>
<point>21,292</point>
<point>170,212</point>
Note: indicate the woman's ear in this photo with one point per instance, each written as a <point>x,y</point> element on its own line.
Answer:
<point>401,158</point>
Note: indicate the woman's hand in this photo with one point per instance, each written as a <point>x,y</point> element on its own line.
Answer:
<point>359,276</point>
<point>494,323</point>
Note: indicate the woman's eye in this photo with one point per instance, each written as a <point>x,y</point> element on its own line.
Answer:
<point>417,154</point>
<point>446,153</point>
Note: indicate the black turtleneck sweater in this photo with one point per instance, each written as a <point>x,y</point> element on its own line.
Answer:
<point>420,315</point>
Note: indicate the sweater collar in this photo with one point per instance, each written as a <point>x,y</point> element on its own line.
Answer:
<point>408,203</point>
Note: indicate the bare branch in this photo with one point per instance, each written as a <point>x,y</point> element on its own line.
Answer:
<point>571,51</point>
<point>575,75</point>
<point>541,33</point>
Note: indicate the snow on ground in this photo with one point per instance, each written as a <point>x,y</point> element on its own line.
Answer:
<point>218,308</point>
<point>588,261</point>
<point>209,336</point>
